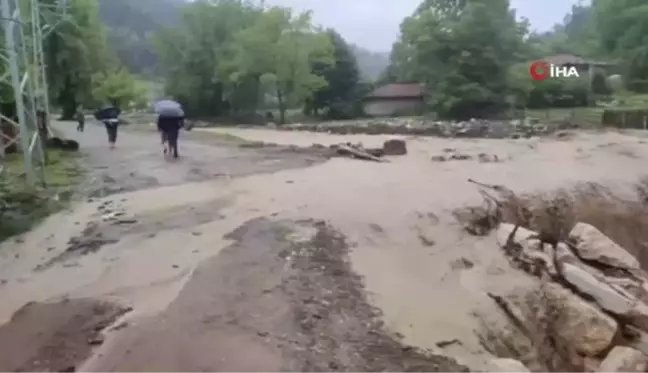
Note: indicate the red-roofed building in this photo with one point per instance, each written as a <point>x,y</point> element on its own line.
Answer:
<point>395,99</point>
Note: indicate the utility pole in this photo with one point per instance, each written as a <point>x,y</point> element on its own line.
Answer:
<point>25,31</point>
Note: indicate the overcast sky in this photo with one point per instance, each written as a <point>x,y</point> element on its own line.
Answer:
<point>374,24</point>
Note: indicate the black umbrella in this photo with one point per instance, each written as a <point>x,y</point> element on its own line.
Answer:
<point>169,108</point>
<point>107,113</point>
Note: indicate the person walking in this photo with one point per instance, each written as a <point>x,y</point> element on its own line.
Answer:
<point>110,118</point>
<point>169,127</point>
<point>112,127</point>
<point>170,121</point>
<point>80,117</point>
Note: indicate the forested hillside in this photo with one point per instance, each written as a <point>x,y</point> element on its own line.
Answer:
<point>131,24</point>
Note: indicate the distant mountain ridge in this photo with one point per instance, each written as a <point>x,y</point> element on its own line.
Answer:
<point>130,25</point>
<point>371,64</point>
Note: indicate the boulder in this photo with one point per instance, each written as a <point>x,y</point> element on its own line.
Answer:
<point>577,323</point>
<point>630,286</point>
<point>591,244</point>
<point>522,235</point>
<point>550,310</point>
<point>603,294</point>
<point>624,359</point>
<point>506,365</point>
<point>395,147</point>
<point>612,298</point>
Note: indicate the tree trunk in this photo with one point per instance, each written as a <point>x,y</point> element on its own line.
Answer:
<point>68,104</point>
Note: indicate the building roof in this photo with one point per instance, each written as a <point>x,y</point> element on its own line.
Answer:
<point>570,59</point>
<point>398,90</point>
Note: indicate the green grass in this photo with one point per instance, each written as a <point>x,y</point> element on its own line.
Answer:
<point>586,115</point>
<point>23,206</point>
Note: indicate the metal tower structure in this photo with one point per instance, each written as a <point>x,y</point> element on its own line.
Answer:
<point>25,25</point>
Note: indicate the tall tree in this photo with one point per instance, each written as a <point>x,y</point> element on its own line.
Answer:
<point>74,51</point>
<point>198,57</point>
<point>463,50</point>
<point>623,32</point>
<point>342,78</point>
<point>281,48</point>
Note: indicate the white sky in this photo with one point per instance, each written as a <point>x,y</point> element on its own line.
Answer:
<point>374,24</point>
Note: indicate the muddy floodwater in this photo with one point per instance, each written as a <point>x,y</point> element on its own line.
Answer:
<point>263,259</point>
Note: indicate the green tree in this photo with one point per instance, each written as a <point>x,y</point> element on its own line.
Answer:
<point>75,51</point>
<point>342,80</point>
<point>281,48</point>
<point>463,51</point>
<point>622,28</point>
<point>198,58</point>
<point>119,88</point>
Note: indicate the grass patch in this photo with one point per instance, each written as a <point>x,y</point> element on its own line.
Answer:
<point>584,115</point>
<point>23,206</point>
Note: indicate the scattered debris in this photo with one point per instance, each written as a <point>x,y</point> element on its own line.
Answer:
<point>395,147</point>
<point>460,157</point>
<point>443,344</point>
<point>457,156</point>
<point>356,151</point>
<point>462,263</point>
<point>488,158</point>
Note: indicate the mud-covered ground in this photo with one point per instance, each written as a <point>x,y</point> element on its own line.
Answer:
<point>137,163</point>
<point>167,278</point>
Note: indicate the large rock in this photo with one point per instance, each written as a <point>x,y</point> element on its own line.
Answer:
<point>522,235</point>
<point>506,365</point>
<point>591,244</point>
<point>577,323</point>
<point>624,359</point>
<point>574,324</point>
<point>395,147</point>
<point>603,294</point>
<point>612,298</point>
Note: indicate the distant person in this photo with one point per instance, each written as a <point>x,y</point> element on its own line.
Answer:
<point>109,116</point>
<point>112,127</point>
<point>169,127</point>
<point>80,118</point>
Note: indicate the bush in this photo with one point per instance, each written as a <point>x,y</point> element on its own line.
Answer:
<point>552,93</point>
<point>600,85</point>
<point>625,118</point>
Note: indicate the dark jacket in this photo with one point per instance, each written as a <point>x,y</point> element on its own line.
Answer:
<point>169,124</point>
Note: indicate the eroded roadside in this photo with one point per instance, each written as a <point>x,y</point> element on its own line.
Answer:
<point>282,297</point>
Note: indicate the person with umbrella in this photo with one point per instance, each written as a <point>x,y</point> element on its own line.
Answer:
<point>109,115</point>
<point>170,120</point>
